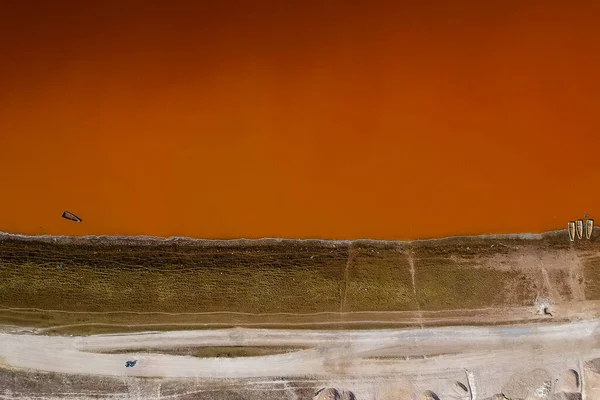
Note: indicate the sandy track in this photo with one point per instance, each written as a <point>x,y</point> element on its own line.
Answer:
<point>428,358</point>
<point>572,311</point>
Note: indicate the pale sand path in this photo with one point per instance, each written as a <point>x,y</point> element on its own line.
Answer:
<point>431,358</point>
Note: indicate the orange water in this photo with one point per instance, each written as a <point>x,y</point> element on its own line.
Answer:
<point>298,119</point>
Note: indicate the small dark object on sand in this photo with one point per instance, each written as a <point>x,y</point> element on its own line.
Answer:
<point>547,311</point>
<point>130,364</point>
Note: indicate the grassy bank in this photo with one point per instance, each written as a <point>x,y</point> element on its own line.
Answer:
<point>80,281</point>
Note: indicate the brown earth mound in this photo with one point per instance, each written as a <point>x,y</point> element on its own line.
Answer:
<point>536,383</point>
<point>429,395</point>
<point>566,396</point>
<point>335,394</point>
<point>591,375</point>
<point>568,382</point>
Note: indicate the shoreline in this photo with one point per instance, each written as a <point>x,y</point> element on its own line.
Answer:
<point>150,240</point>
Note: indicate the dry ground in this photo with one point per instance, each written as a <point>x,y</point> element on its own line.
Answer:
<point>524,360</point>
<point>210,351</point>
<point>99,285</point>
<point>86,286</point>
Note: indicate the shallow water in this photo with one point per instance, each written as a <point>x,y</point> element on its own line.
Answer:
<point>299,122</point>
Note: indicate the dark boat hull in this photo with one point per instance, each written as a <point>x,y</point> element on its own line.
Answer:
<point>71,217</point>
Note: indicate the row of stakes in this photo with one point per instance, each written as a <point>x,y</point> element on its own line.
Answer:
<point>576,229</point>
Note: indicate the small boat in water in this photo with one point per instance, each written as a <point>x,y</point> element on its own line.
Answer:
<point>571,230</point>
<point>589,228</point>
<point>579,229</point>
<point>71,216</point>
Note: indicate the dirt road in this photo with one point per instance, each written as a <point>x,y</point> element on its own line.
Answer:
<point>415,359</point>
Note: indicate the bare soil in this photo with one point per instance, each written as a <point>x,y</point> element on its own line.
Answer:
<point>115,284</point>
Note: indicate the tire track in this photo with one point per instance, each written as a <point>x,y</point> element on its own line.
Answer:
<point>411,263</point>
